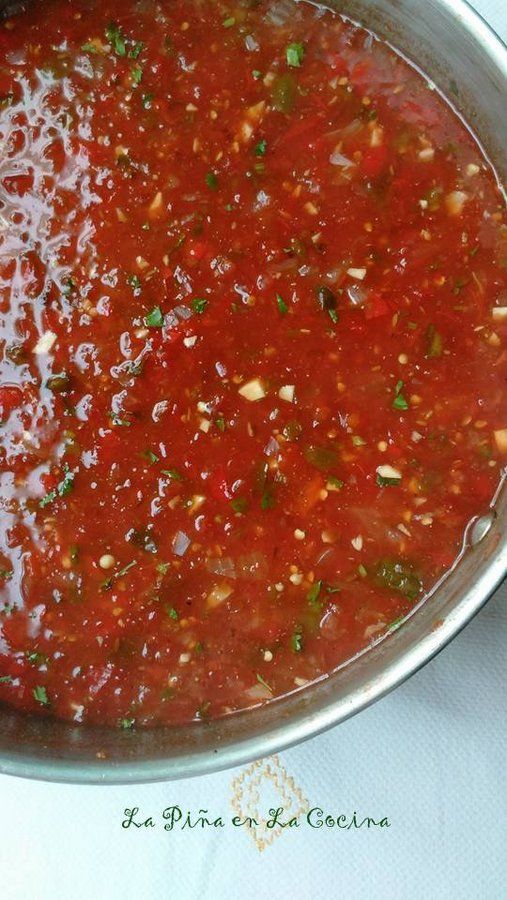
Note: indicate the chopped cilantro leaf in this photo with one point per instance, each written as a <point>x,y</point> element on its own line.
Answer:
<point>63,488</point>
<point>155,318</point>
<point>40,695</point>
<point>294,55</point>
<point>260,679</point>
<point>151,457</point>
<point>136,49</point>
<point>282,306</point>
<point>211,180</point>
<point>172,473</point>
<point>313,594</point>
<point>172,612</point>
<point>134,281</point>
<point>260,148</point>
<point>399,401</point>
<point>127,724</point>
<point>296,642</point>
<point>137,74</point>
<point>116,38</point>
<point>199,304</point>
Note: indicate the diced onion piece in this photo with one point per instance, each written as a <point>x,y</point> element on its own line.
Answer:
<point>181,543</point>
<point>357,294</point>
<point>258,692</point>
<point>156,207</point>
<point>45,342</point>
<point>377,136</point>
<point>286,392</point>
<point>472,169</point>
<point>499,313</point>
<point>338,159</point>
<point>387,471</point>
<point>221,565</point>
<point>501,439</point>
<point>426,154</point>
<point>357,273</point>
<point>218,594</point>
<point>252,390</point>
<point>256,111</point>
<point>455,202</point>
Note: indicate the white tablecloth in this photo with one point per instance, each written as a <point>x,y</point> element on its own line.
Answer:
<point>430,758</point>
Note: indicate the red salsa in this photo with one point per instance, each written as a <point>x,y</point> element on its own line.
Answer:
<point>252,317</point>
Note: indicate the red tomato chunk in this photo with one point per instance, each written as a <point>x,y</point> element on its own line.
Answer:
<point>252,319</point>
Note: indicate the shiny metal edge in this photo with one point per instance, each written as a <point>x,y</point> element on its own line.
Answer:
<point>406,653</point>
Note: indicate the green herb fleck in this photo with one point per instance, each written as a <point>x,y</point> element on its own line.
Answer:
<point>172,612</point>
<point>137,74</point>
<point>434,342</point>
<point>172,473</point>
<point>151,457</point>
<point>40,695</point>
<point>239,504</point>
<point>260,679</point>
<point>335,483</point>
<point>136,49</point>
<point>282,306</point>
<point>313,594</point>
<point>211,180</point>
<point>260,148</point>
<point>268,498</point>
<point>398,576</point>
<point>296,642</point>
<point>127,724</point>
<point>399,401</point>
<point>294,55</point>
<point>199,304</point>
<point>63,488</point>
<point>155,318</point>
<point>116,38</point>
<point>134,281</point>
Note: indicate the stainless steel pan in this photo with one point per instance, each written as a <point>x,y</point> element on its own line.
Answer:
<point>458,51</point>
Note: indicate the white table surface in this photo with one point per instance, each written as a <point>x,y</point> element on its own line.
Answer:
<point>431,758</point>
